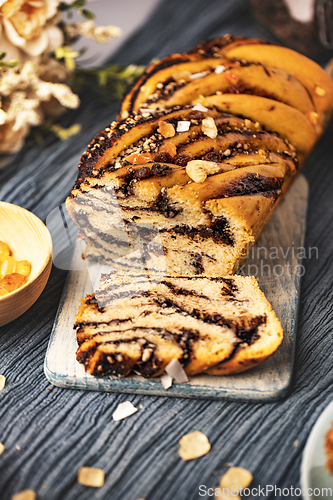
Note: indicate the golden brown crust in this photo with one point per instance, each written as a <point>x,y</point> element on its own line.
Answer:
<point>195,236</point>
<point>245,357</point>
<point>266,107</point>
<point>250,67</point>
<point>275,116</point>
<point>306,71</point>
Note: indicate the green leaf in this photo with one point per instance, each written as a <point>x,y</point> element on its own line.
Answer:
<point>88,14</point>
<point>11,64</point>
<point>65,133</point>
<point>63,6</point>
<point>2,55</point>
<point>8,64</point>
<point>112,79</point>
<point>77,4</point>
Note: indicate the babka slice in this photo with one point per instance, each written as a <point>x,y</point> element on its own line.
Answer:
<point>188,190</point>
<point>136,323</point>
<point>263,75</point>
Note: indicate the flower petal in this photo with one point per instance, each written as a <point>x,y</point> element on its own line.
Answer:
<point>56,38</point>
<point>36,46</point>
<point>12,34</point>
<point>12,52</point>
<point>51,8</point>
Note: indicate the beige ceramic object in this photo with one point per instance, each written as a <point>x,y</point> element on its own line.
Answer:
<point>28,239</point>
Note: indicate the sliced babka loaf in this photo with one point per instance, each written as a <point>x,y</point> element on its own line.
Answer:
<point>187,189</point>
<point>262,75</point>
<point>141,324</point>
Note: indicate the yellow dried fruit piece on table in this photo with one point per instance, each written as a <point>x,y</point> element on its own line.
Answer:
<point>3,292</point>
<point>193,445</point>
<point>12,282</point>
<point>2,382</point>
<point>24,495</point>
<point>91,476</point>
<point>7,266</point>
<point>236,478</point>
<point>5,251</point>
<point>23,267</point>
<point>2,448</point>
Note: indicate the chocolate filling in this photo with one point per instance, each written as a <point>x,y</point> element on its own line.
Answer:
<point>182,291</point>
<point>219,231</point>
<point>197,263</point>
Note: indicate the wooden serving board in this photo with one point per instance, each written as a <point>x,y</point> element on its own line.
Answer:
<point>275,260</point>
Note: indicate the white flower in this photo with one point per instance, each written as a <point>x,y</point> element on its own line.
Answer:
<point>23,111</point>
<point>25,100</point>
<point>11,141</point>
<point>88,29</point>
<point>28,28</point>
<point>3,116</point>
<point>46,90</point>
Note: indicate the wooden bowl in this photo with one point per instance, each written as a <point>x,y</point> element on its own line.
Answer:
<point>28,239</point>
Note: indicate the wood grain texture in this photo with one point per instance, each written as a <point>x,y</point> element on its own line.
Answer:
<point>60,430</point>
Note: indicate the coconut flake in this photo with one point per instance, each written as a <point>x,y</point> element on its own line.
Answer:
<point>183,126</point>
<point>176,371</point>
<point>147,110</point>
<point>123,410</point>
<point>219,69</point>
<point>199,75</point>
<point>166,381</point>
<point>199,107</point>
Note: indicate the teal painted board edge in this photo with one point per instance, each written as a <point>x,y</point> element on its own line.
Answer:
<point>267,382</point>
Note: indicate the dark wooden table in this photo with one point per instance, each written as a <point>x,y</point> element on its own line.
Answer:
<point>50,432</point>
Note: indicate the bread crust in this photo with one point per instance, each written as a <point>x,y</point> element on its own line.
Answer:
<point>251,67</point>
<point>163,194</point>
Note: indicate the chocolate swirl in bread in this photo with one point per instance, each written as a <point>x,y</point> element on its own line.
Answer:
<point>207,144</point>
<point>133,323</point>
<point>138,177</point>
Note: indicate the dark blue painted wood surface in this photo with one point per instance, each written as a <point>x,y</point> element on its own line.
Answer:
<point>50,432</point>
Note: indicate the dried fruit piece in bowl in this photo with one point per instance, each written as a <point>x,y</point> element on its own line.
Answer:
<point>13,273</point>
